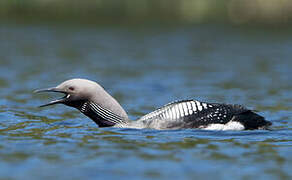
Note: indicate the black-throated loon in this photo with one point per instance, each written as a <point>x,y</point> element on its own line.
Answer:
<point>93,101</point>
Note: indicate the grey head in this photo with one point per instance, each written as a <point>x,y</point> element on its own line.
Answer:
<point>91,99</point>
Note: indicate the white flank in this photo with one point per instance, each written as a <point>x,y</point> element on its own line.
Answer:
<point>230,126</point>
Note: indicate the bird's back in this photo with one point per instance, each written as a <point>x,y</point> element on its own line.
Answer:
<point>196,114</point>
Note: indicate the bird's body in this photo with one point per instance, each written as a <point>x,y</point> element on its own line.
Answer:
<point>93,101</point>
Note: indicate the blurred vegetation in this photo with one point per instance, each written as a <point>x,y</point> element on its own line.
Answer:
<point>147,11</point>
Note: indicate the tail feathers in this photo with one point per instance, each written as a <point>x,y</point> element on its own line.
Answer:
<point>252,120</point>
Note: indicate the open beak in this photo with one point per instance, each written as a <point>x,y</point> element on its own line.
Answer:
<point>57,101</point>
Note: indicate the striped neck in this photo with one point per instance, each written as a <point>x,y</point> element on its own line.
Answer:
<point>101,116</point>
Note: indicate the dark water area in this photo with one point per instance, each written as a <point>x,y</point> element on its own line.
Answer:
<point>144,68</point>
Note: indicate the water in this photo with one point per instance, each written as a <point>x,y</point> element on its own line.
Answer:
<point>144,68</point>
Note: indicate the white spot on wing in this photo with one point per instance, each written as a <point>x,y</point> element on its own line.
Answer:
<point>200,108</point>
<point>185,108</point>
<point>170,113</point>
<point>181,109</point>
<point>194,107</point>
<point>173,112</point>
<point>163,115</point>
<point>204,105</point>
<point>177,112</point>
<point>190,108</point>
<point>166,114</point>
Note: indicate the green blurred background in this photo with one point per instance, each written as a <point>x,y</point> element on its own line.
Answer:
<point>100,12</point>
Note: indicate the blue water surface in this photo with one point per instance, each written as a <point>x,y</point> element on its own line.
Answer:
<point>144,68</point>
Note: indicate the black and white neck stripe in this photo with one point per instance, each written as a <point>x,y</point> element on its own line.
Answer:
<point>101,114</point>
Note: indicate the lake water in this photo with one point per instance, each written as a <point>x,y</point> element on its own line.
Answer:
<point>144,68</point>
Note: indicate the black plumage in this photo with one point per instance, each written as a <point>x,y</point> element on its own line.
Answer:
<point>195,114</point>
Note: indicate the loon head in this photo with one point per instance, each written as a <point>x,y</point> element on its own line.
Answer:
<point>76,92</point>
<point>80,91</point>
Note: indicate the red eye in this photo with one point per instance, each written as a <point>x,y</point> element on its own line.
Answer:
<point>71,88</point>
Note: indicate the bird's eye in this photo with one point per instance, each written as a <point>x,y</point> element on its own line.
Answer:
<point>71,88</point>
